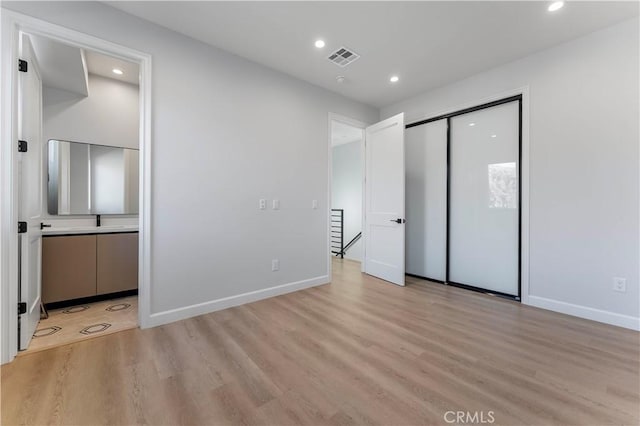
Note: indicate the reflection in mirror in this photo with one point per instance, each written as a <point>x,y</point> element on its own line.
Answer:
<point>503,186</point>
<point>92,179</point>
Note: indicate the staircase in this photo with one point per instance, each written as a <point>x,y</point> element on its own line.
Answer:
<point>338,246</point>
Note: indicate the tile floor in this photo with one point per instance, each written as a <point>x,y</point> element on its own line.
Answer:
<point>71,324</point>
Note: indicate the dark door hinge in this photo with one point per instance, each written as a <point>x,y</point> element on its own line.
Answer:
<point>22,65</point>
<point>22,308</point>
<point>22,227</point>
<point>23,146</point>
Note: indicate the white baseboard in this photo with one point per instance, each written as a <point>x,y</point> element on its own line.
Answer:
<point>599,315</point>
<point>228,302</point>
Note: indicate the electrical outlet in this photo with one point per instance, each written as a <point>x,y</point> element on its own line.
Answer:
<point>275,265</point>
<point>620,284</point>
<point>314,204</point>
<point>276,204</point>
<point>262,204</point>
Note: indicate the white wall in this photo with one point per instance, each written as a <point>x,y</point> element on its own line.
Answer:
<point>108,116</point>
<point>225,133</point>
<point>346,192</point>
<point>583,167</point>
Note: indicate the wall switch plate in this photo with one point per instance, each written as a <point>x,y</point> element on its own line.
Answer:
<point>276,204</point>
<point>262,204</point>
<point>314,204</point>
<point>275,265</point>
<point>620,284</point>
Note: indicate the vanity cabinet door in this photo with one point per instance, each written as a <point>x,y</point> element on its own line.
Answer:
<point>117,262</point>
<point>68,267</point>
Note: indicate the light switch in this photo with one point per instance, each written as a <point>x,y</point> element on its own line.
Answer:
<point>314,204</point>
<point>262,204</point>
<point>276,204</point>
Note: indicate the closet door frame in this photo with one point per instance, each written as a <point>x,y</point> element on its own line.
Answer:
<point>448,116</point>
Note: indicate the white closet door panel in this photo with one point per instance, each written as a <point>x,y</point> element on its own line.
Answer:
<point>484,210</point>
<point>426,189</point>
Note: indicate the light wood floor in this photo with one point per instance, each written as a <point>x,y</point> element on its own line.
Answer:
<point>358,351</point>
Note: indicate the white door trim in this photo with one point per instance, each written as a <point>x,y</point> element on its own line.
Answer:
<point>12,25</point>
<point>360,125</point>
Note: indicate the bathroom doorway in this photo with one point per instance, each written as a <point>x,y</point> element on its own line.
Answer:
<point>79,267</point>
<point>79,193</point>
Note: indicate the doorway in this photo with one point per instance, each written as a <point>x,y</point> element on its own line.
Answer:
<point>22,292</point>
<point>79,190</point>
<point>382,197</point>
<point>347,147</point>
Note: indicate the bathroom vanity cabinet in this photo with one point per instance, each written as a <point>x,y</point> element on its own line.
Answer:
<point>117,264</point>
<point>78,266</point>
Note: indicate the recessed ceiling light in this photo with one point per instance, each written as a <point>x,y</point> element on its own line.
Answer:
<point>472,124</point>
<point>340,79</point>
<point>319,44</point>
<point>494,136</point>
<point>117,71</point>
<point>394,79</point>
<point>555,6</point>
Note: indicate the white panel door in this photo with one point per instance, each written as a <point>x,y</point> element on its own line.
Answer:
<point>426,164</point>
<point>484,199</point>
<point>30,168</point>
<point>384,200</point>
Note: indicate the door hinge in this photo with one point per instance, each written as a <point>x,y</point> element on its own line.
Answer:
<point>22,65</point>
<point>22,308</point>
<point>23,146</point>
<point>22,227</point>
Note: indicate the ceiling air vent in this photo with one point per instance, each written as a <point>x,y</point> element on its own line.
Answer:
<point>343,57</point>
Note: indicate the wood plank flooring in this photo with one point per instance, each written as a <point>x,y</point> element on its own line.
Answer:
<point>357,351</point>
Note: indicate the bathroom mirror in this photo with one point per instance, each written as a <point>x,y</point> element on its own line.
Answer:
<point>91,179</point>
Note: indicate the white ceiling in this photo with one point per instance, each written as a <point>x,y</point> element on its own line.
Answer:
<point>66,67</point>
<point>103,65</point>
<point>61,66</point>
<point>428,44</point>
<point>343,133</point>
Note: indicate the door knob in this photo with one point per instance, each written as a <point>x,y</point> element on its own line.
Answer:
<point>398,220</point>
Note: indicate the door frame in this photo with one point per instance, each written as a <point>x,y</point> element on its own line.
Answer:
<point>522,95</point>
<point>13,24</point>
<point>362,126</point>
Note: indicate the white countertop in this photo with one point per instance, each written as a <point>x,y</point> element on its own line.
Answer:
<point>88,229</point>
